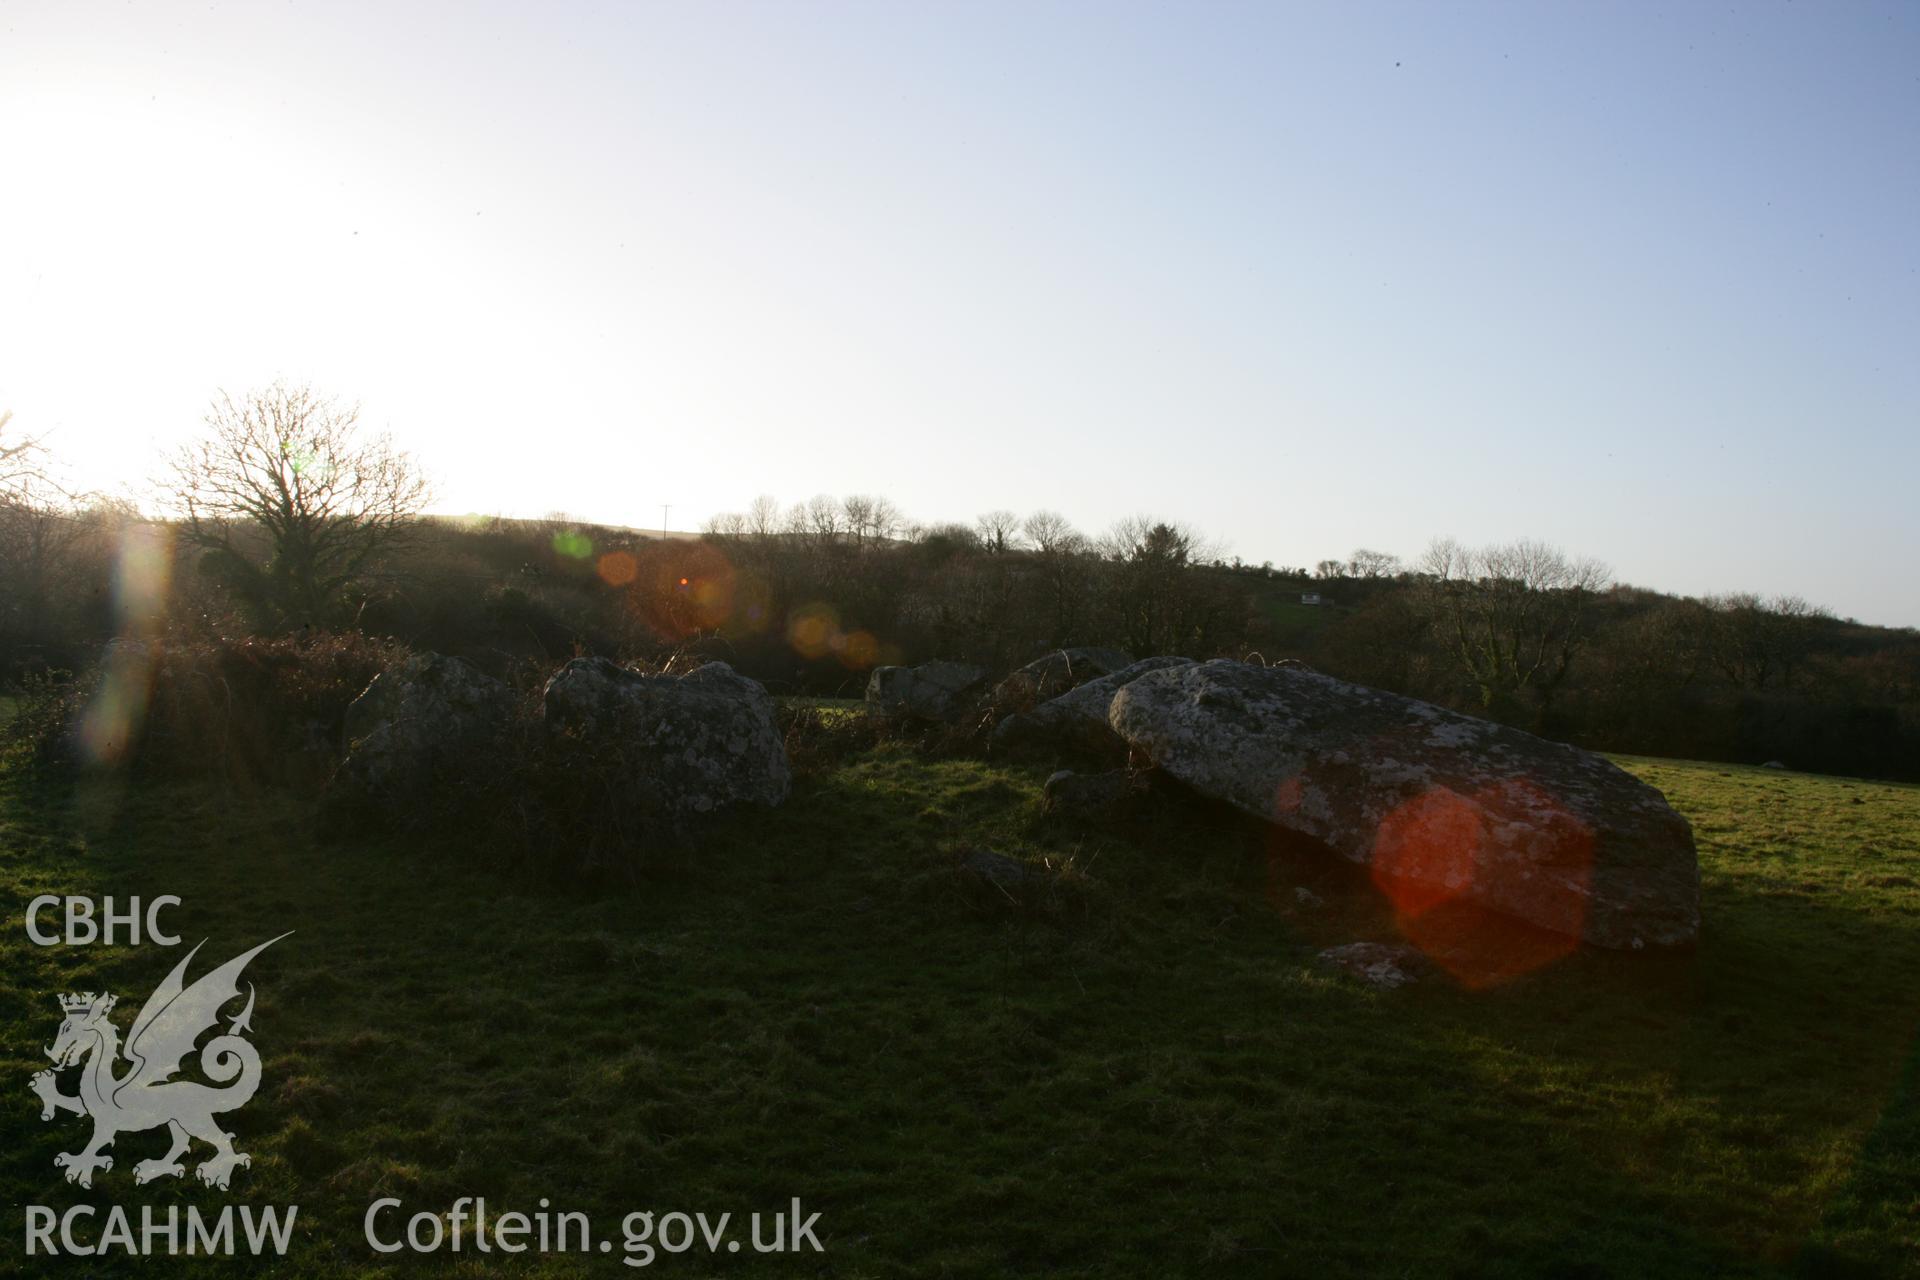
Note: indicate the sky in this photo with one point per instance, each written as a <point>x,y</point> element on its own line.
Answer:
<point>1639,280</point>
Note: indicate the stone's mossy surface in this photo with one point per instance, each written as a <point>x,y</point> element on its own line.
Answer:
<point>695,743</point>
<point>1440,806</point>
<point>416,720</point>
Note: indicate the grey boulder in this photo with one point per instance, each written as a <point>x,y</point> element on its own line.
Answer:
<point>1440,806</point>
<point>933,691</point>
<point>1053,674</point>
<point>1077,719</point>
<point>690,744</point>
<point>417,722</point>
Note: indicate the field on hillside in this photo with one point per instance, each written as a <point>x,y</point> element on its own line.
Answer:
<point>1128,1064</point>
<point>1289,622</point>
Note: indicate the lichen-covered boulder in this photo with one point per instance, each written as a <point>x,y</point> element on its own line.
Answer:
<point>690,744</point>
<point>1077,720</point>
<point>1053,674</point>
<point>416,722</point>
<point>940,692</point>
<point>1442,807</point>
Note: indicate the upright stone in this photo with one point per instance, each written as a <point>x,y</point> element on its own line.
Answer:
<point>695,743</point>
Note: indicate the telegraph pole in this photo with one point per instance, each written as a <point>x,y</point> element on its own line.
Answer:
<point>664,508</point>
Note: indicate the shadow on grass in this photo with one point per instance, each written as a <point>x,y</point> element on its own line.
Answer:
<point>1141,1073</point>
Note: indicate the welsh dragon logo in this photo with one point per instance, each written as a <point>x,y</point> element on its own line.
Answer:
<point>174,1017</point>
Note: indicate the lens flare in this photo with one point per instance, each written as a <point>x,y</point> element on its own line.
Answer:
<point>119,704</point>
<point>751,605</point>
<point>1449,863</point>
<point>858,650</point>
<point>143,567</point>
<point>141,574</point>
<point>618,568</point>
<point>679,589</point>
<point>812,630</point>
<point>1425,851</point>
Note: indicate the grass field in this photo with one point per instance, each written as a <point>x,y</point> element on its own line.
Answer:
<point>1291,623</point>
<point>1128,1066</point>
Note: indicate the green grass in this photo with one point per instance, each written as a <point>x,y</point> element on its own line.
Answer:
<point>1130,1066</point>
<point>1289,620</point>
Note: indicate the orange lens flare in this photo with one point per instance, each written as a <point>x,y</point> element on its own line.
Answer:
<point>1458,868</point>
<point>812,630</point>
<point>859,650</point>
<point>675,589</point>
<point>618,568</point>
<point>1425,852</point>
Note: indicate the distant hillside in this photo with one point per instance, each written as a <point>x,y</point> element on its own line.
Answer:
<point>810,605</point>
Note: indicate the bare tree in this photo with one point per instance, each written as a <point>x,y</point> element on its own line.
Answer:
<point>1513,616</point>
<point>885,521</point>
<point>856,509</point>
<point>999,531</point>
<point>39,525</point>
<point>763,517</point>
<point>1164,604</point>
<point>1330,569</point>
<point>1052,534</point>
<point>870,520</point>
<point>724,525</point>
<point>292,502</point>
<point>818,522</point>
<point>1757,642</point>
<point>22,458</point>
<point>1137,537</point>
<point>1652,653</point>
<point>1365,563</point>
<point>1061,569</point>
<point>945,538</point>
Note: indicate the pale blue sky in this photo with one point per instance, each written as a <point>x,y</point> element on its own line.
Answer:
<point>1639,279</point>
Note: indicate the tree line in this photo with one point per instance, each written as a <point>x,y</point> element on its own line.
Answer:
<point>288,516</point>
